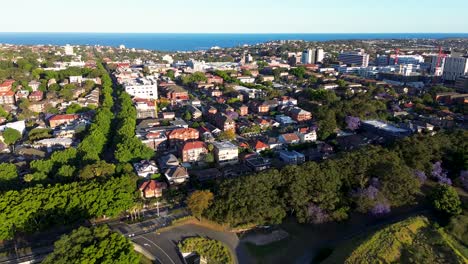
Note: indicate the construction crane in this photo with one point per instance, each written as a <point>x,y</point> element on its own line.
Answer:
<point>437,69</point>
<point>397,51</point>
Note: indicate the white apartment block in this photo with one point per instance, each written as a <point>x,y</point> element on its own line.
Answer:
<point>226,153</point>
<point>146,88</point>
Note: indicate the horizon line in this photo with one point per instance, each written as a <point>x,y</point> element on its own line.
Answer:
<point>227,33</point>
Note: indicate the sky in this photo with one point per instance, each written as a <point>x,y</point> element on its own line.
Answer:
<point>238,16</point>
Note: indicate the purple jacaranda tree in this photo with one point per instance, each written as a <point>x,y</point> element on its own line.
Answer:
<point>233,115</point>
<point>420,175</point>
<point>370,192</point>
<point>380,208</point>
<point>316,214</point>
<point>439,174</point>
<point>464,179</point>
<point>352,122</point>
<point>375,182</point>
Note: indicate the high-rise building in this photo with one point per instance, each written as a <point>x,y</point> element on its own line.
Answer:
<point>312,56</point>
<point>319,55</point>
<point>69,50</point>
<point>359,58</point>
<point>455,67</point>
<point>307,56</point>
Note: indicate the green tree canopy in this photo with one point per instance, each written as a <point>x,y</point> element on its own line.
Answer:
<point>93,245</point>
<point>199,201</point>
<point>11,136</point>
<point>445,199</point>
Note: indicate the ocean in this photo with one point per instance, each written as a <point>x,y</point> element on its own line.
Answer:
<point>191,42</point>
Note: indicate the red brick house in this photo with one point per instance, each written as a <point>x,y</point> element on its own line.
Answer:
<point>224,122</point>
<point>175,92</point>
<point>36,96</point>
<point>300,115</point>
<point>152,188</point>
<point>214,79</point>
<point>183,134</point>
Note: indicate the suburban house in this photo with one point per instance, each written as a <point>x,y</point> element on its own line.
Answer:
<point>194,151</point>
<point>168,161</point>
<point>58,120</point>
<point>289,138</point>
<point>152,188</point>
<point>307,135</point>
<point>145,168</point>
<point>176,175</point>
<point>259,146</point>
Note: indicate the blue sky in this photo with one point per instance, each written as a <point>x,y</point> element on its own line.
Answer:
<point>240,16</point>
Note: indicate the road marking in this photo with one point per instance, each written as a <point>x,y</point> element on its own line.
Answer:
<point>159,248</point>
<point>159,261</point>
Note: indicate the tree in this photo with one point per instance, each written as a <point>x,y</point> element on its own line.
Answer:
<point>445,199</point>
<point>170,74</point>
<point>93,245</point>
<point>187,116</point>
<point>99,169</point>
<point>8,173</point>
<point>299,72</point>
<point>39,133</point>
<point>11,136</point>
<point>327,124</point>
<point>227,135</point>
<point>73,108</point>
<point>214,251</point>
<point>199,201</point>
<point>209,158</point>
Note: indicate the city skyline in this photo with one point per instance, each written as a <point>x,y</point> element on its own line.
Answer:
<point>262,16</point>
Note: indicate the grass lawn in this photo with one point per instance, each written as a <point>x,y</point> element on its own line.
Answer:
<point>411,240</point>
<point>145,260</point>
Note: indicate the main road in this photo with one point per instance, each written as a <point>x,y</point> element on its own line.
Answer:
<point>163,245</point>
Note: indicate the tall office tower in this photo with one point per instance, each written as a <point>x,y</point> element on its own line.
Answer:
<point>359,58</point>
<point>455,67</point>
<point>319,55</point>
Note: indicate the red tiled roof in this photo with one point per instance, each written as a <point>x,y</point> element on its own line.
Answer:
<point>181,131</point>
<point>7,83</point>
<point>260,145</point>
<point>193,145</point>
<point>7,93</point>
<point>151,185</point>
<point>290,137</point>
<point>64,117</point>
